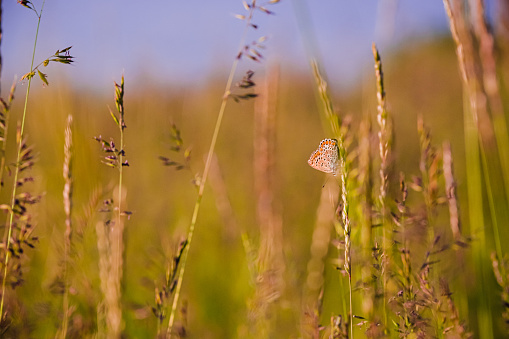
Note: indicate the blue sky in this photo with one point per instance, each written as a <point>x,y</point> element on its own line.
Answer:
<point>181,42</point>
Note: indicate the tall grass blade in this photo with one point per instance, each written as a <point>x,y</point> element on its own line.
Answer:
<point>203,180</point>
<point>67,195</point>
<point>17,170</point>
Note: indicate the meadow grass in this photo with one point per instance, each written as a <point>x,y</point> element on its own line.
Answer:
<point>407,240</point>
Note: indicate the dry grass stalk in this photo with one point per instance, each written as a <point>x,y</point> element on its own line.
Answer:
<point>468,70</point>
<point>114,319</point>
<point>488,65</point>
<point>347,227</point>
<point>270,262</point>
<point>109,238</point>
<point>347,230</point>
<point>113,247</point>
<point>264,159</point>
<point>450,191</point>
<point>345,163</point>
<point>113,299</point>
<point>384,134</point>
<point>487,58</point>
<point>67,197</point>
<point>384,145</point>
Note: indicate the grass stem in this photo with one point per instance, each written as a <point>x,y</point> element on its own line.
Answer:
<point>67,195</point>
<point>384,141</point>
<point>16,170</point>
<point>203,179</point>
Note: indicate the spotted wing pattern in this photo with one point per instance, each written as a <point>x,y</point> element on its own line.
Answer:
<point>325,158</point>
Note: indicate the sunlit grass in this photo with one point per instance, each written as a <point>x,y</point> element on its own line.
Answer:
<point>398,244</point>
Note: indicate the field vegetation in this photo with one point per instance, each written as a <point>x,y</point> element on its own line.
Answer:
<point>164,212</point>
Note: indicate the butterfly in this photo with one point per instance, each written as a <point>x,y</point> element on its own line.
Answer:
<point>325,158</point>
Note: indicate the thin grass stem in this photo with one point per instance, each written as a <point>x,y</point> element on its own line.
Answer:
<point>348,242</point>
<point>16,170</point>
<point>384,140</point>
<point>120,106</point>
<point>203,179</point>
<point>335,123</point>
<point>67,195</point>
<point>491,88</point>
<point>475,202</point>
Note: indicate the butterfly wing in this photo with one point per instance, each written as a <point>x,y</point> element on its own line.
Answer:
<point>325,158</point>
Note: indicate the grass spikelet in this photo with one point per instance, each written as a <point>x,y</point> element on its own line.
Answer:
<point>384,134</point>
<point>430,170</point>
<point>67,197</point>
<point>450,191</point>
<point>384,145</point>
<point>164,293</point>
<point>347,229</point>
<point>177,147</point>
<point>111,249</point>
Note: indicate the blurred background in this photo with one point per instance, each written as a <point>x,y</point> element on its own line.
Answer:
<point>176,58</point>
<point>179,43</point>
